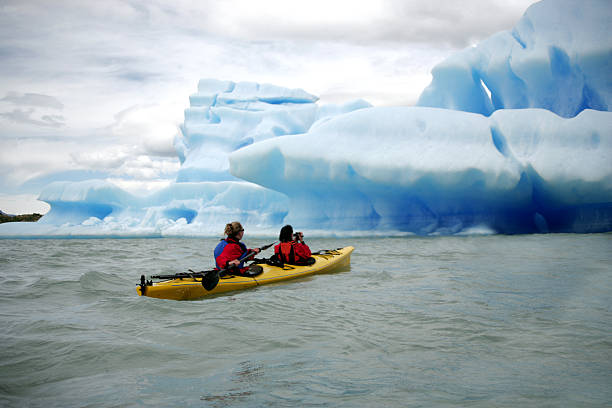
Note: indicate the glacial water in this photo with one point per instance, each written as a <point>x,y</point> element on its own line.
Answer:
<point>503,321</point>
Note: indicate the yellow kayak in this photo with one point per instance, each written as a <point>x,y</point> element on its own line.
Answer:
<point>186,288</point>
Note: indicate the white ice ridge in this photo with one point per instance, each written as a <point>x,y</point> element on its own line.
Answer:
<point>428,170</point>
<point>225,116</point>
<point>99,208</point>
<point>558,57</point>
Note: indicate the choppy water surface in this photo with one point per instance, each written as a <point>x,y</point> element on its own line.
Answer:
<point>501,321</point>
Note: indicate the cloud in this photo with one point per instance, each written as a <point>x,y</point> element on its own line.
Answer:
<point>147,168</point>
<point>434,22</point>
<point>121,48</point>
<point>108,81</point>
<point>36,115</point>
<point>22,160</point>
<point>136,76</point>
<point>117,24</point>
<point>140,187</point>
<point>101,159</point>
<point>125,162</point>
<point>22,204</point>
<point>26,117</point>
<point>150,127</point>
<point>33,99</point>
<point>34,162</point>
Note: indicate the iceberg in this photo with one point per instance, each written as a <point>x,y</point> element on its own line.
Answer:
<point>435,171</point>
<point>513,135</point>
<point>98,207</point>
<point>558,57</point>
<point>223,116</point>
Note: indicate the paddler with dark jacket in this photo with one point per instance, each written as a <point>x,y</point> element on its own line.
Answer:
<point>292,249</point>
<point>230,251</point>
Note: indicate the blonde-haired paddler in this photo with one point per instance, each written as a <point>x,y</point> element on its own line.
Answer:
<point>230,252</point>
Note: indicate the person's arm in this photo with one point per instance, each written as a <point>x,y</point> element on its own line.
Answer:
<point>229,256</point>
<point>302,250</point>
<point>249,250</point>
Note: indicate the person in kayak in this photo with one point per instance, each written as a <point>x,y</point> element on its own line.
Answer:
<point>230,252</point>
<point>292,249</point>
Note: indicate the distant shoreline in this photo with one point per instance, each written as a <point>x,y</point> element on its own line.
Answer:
<point>19,218</point>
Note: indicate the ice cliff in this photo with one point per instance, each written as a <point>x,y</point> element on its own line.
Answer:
<point>431,170</point>
<point>512,136</point>
<point>558,57</point>
<point>223,116</point>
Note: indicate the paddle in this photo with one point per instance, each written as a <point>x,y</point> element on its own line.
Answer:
<point>181,275</point>
<point>210,280</point>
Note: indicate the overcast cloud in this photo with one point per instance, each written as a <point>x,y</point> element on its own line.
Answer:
<point>100,87</point>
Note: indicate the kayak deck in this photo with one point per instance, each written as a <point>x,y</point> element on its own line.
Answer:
<point>191,288</point>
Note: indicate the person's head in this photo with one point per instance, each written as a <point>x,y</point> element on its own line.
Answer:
<point>286,234</point>
<point>234,230</point>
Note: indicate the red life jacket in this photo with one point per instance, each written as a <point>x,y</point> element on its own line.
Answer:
<point>227,250</point>
<point>286,253</point>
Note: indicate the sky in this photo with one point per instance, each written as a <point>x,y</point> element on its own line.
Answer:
<point>98,89</point>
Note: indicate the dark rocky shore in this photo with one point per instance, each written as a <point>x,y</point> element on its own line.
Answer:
<point>19,218</point>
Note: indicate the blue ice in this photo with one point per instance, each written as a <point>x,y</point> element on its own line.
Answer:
<point>513,135</point>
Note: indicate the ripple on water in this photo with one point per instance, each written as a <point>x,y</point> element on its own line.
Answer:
<point>446,321</point>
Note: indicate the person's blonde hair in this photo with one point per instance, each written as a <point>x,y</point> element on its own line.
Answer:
<point>233,228</point>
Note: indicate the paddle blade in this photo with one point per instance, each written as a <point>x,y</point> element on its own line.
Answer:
<point>210,280</point>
